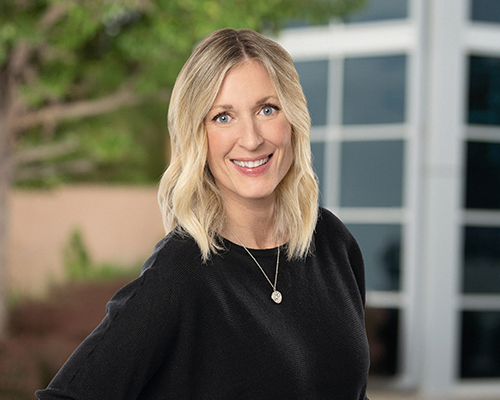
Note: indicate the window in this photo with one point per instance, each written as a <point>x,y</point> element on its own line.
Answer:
<point>480,344</point>
<point>314,79</point>
<point>484,90</point>
<point>371,173</point>
<point>483,175</point>
<point>378,10</point>
<point>482,260</point>
<point>318,156</point>
<point>480,350</point>
<point>382,331</point>
<point>374,90</point>
<point>486,11</point>
<point>381,248</point>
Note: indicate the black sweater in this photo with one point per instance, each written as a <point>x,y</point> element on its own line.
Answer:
<point>189,330</point>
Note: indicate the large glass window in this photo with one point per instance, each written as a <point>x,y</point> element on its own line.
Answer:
<point>480,344</point>
<point>482,260</point>
<point>484,90</point>
<point>374,90</point>
<point>485,10</point>
<point>480,352</point>
<point>314,81</point>
<point>382,326</point>
<point>371,173</point>
<point>483,175</point>
<point>381,248</point>
<point>318,156</point>
<point>378,10</point>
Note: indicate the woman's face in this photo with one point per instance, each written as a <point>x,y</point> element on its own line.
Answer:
<point>249,137</point>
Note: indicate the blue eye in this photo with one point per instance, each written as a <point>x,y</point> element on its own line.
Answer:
<point>222,118</point>
<point>269,109</point>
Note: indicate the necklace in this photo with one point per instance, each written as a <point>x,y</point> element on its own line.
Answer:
<point>276,295</point>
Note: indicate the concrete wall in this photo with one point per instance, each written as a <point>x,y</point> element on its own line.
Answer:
<point>119,224</point>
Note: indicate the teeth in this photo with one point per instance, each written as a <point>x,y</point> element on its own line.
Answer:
<point>251,164</point>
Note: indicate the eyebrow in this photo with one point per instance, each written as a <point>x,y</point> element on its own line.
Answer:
<point>230,107</point>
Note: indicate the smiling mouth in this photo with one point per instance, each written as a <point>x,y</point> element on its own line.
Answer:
<point>252,164</point>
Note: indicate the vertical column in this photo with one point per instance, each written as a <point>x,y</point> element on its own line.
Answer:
<point>444,99</point>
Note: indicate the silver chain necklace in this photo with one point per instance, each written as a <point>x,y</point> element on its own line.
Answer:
<point>276,295</point>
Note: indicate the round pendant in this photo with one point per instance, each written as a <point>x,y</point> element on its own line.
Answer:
<point>276,296</point>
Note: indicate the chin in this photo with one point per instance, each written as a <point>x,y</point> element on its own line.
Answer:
<point>258,195</point>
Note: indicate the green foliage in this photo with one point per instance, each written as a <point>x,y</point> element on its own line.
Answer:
<point>85,50</point>
<point>79,266</point>
<point>124,147</point>
<point>76,257</point>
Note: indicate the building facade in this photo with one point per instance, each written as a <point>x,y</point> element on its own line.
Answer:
<point>404,97</point>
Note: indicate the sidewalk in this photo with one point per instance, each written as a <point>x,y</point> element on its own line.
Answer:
<point>385,395</point>
<point>394,395</point>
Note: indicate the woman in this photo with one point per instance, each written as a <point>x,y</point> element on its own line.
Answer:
<point>255,292</point>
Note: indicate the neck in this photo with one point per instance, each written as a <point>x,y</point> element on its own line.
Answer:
<point>252,224</point>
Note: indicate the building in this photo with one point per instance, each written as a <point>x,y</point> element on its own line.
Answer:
<point>405,103</point>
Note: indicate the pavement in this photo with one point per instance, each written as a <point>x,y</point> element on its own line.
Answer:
<point>386,395</point>
<point>395,395</point>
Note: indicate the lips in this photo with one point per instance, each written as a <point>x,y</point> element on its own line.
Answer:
<point>251,164</point>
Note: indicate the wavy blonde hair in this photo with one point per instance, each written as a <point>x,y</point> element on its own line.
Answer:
<point>188,196</point>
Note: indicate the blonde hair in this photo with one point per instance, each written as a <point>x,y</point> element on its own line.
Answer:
<point>188,196</point>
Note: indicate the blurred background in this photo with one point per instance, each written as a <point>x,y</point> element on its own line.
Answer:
<point>404,97</point>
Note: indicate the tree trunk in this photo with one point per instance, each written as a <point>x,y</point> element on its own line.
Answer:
<point>6,173</point>
<point>9,74</point>
<point>5,182</point>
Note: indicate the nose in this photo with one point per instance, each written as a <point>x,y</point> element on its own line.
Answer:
<point>250,134</point>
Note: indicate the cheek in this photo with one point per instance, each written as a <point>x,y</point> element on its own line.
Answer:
<point>287,141</point>
<point>218,147</point>
<point>287,146</point>
<point>211,149</point>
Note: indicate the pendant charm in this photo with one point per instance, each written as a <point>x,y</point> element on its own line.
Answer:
<point>276,296</point>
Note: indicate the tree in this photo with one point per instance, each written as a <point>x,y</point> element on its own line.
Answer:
<point>64,63</point>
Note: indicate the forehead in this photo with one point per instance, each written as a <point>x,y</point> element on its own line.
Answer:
<point>247,78</point>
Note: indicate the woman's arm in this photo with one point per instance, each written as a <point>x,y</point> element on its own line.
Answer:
<point>118,358</point>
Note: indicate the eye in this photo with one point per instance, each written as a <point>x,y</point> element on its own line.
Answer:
<point>222,118</point>
<point>269,109</point>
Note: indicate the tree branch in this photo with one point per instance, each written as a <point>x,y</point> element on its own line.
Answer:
<point>51,16</point>
<point>15,68</point>
<point>44,152</point>
<point>47,171</point>
<point>81,109</point>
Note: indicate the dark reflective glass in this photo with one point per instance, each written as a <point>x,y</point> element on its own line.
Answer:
<point>374,90</point>
<point>382,331</point>
<point>480,344</point>
<point>482,260</point>
<point>318,156</point>
<point>371,174</point>
<point>377,10</point>
<point>483,175</point>
<point>314,80</point>
<point>484,90</point>
<point>486,10</point>
<point>381,248</point>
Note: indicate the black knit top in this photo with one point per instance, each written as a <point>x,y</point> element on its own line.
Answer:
<point>191,330</point>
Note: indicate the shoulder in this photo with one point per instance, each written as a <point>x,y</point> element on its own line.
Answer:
<point>166,274</point>
<point>176,251</point>
<point>330,225</point>
<point>166,277</point>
